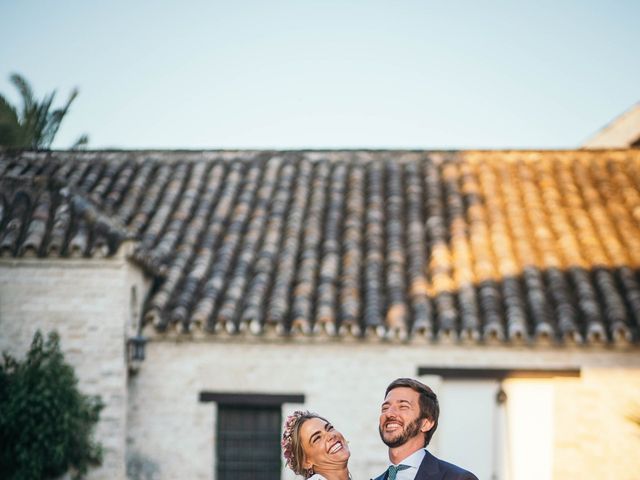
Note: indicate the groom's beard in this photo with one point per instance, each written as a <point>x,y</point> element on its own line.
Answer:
<point>409,431</point>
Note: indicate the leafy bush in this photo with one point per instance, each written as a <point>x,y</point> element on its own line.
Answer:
<point>46,423</point>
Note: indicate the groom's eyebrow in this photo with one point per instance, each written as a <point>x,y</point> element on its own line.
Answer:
<point>402,401</point>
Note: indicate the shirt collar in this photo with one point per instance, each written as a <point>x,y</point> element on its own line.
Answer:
<point>415,459</point>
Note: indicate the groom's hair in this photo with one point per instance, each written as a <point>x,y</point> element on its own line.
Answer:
<point>429,407</point>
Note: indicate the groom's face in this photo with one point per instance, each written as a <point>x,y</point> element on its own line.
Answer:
<point>400,420</point>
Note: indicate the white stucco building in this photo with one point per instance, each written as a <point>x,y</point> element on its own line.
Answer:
<point>268,281</point>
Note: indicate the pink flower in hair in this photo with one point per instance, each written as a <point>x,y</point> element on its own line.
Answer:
<point>287,434</point>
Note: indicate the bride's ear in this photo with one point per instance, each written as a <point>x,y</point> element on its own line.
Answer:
<point>306,464</point>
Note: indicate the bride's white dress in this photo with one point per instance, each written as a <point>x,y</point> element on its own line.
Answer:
<point>317,476</point>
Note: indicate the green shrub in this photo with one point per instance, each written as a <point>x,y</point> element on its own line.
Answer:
<point>46,423</point>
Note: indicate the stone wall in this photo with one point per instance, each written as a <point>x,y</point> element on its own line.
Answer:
<point>89,303</point>
<point>174,433</point>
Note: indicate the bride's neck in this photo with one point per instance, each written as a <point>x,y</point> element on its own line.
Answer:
<point>339,474</point>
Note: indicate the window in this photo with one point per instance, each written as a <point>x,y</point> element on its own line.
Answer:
<point>248,442</point>
<point>247,437</point>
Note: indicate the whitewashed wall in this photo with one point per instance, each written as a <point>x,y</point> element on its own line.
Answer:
<point>154,421</point>
<point>174,433</point>
<point>88,302</point>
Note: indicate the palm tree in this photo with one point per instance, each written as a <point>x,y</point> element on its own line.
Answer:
<point>36,125</point>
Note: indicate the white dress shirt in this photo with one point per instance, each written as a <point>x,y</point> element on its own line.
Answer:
<point>413,461</point>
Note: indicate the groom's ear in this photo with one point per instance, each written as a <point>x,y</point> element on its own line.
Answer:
<point>426,425</point>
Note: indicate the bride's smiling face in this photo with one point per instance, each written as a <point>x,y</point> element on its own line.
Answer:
<point>324,447</point>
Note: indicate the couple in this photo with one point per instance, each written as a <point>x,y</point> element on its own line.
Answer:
<point>313,448</point>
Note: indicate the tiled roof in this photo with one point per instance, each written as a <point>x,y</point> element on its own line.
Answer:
<point>42,217</point>
<point>513,246</point>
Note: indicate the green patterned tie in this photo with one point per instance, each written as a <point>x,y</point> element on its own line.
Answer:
<point>393,471</point>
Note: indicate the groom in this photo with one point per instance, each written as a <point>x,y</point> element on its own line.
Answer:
<point>408,419</point>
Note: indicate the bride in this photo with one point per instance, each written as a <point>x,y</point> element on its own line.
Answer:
<point>313,448</point>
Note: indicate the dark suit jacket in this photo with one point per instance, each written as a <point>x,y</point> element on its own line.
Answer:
<point>433,468</point>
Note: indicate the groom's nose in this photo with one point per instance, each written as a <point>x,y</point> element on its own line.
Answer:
<point>391,411</point>
<point>388,415</point>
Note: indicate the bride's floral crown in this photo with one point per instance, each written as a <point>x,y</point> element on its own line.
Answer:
<point>290,425</point>
<point>289,430</point>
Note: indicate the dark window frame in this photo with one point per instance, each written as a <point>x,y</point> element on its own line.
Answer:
<point>260,408</point>
<point>250,399</point>
<point>497,373</point>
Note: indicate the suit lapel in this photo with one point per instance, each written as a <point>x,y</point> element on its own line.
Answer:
<point>429,469</point>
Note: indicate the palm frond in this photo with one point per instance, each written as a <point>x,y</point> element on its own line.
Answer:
<point>38,123</point>
<point>42,123</point>
<point>10,128</point>
<point>81,142</point>
<point>43,128</point>
<point>55,119</point>
<point>28,100</point>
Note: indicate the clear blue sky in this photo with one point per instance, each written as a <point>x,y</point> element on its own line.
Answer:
<point>328,74</point>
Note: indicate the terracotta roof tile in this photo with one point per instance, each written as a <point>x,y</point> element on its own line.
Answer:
<point>515,247</point>
<point>41,217</point>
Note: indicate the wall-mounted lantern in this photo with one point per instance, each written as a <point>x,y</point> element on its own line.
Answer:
<point>135,351</point>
